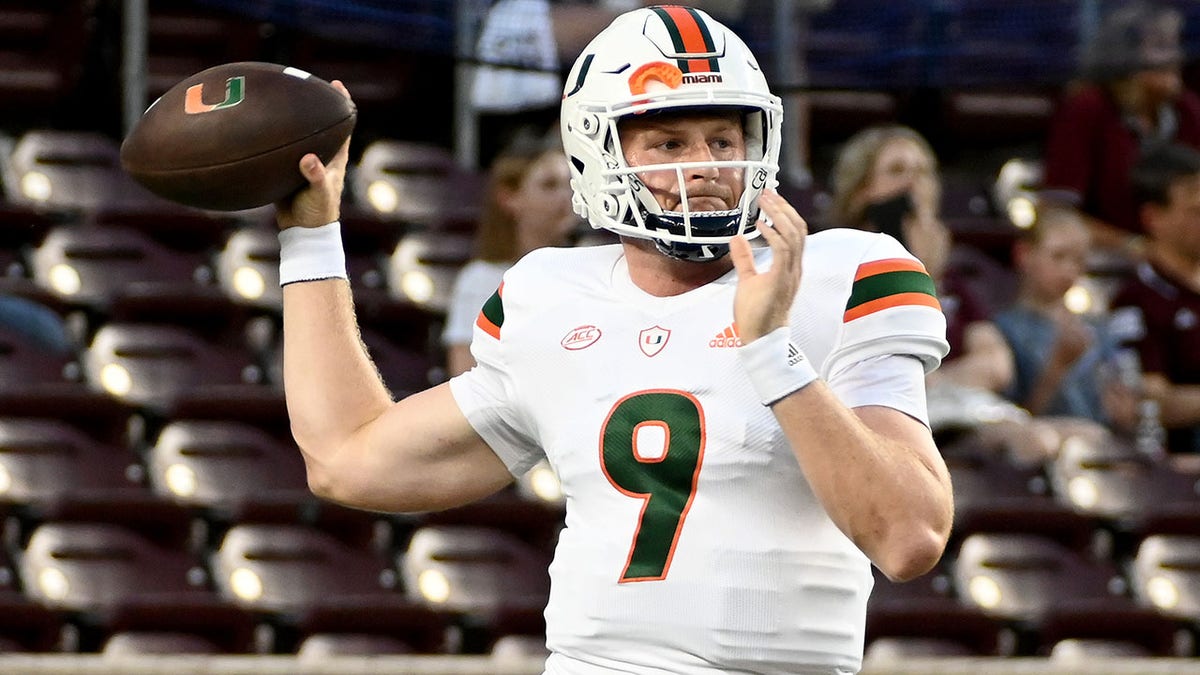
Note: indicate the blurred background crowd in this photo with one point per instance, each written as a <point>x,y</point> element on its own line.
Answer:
<point>1041,158</point>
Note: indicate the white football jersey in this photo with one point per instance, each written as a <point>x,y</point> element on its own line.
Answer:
<point>693,543</point>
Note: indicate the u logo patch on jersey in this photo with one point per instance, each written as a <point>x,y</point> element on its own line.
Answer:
<point>652,340</point>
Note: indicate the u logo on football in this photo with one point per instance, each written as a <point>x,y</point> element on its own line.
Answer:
<point>235,92</point>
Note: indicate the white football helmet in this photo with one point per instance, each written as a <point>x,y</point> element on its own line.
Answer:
<point>651,60</point>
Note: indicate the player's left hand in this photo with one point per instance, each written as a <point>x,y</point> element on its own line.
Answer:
<point>764,298</point>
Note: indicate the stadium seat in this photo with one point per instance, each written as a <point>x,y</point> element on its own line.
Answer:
<point>379,73</point>
<point>309,583</point>
<point>474,570</point>
<point>160,367</point>
<point>223,464</point>
<point>323,645</point>
<point>131,643</point>
<point>993,493</point>
<point>71,172</point>
<point>1051,593</point>
<point>248,269</point>
<point>1166,575</point>
<point>423,267</point>
<point>25,626</point>
<point>45,459</point>
<point>291,568</point>
<point>414,184</point>
<point>81,566</point>
<point>42,47</point>
<point>923,617</point>
<point>24,361</point>
<point>95,268</point>
<point>1075,649</point>
<point>1005,115</point>
<point>1102,476</point>
<point>535,522</point>
<point>1025,576</point>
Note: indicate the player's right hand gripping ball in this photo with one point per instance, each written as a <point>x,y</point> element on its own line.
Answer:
<point>231,137</point>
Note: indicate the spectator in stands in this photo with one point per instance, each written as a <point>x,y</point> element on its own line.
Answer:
<point>521,48</point>
<point>528,206</point>
<point>1159,309</point>
<point>1132,97</point>
<point>885,179</point>
<point>1056,351</point>
<point>736,448</point>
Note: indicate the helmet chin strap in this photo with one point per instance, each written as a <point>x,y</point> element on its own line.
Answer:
<point>691,252</point>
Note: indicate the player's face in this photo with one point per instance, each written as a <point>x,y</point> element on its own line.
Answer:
<point>542,202</point>
<point>662,139</point>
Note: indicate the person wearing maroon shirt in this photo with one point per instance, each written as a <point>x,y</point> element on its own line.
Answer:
<point>1132,97</point>
<point>1159,309</point>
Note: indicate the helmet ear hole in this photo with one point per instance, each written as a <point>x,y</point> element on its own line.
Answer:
<point>610,206</point>
<point>589,124</point>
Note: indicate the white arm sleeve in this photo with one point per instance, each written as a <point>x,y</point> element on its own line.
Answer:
<point>893,380</point>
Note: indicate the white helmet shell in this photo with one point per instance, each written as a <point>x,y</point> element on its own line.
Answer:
<point>658,59</point>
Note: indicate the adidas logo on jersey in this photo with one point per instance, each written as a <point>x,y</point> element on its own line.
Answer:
<point>726,338</point>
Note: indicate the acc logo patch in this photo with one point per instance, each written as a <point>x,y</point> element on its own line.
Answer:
<point>581,337</point>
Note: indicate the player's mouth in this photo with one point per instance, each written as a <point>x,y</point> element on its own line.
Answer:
<point>707,203</point>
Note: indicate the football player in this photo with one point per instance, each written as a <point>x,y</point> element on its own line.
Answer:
<point>740,431</point>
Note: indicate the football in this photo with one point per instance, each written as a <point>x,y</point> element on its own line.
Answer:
<point>231,137</point>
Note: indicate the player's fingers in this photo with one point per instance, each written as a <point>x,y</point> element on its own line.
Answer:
<point>312,169</point>
<point>337,84</point>
<point>742,257</point>
<point>773,232</point>
<point>788,222</point>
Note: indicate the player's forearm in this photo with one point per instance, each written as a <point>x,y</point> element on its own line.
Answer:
<point>894,504</point>
<point>333,390</point>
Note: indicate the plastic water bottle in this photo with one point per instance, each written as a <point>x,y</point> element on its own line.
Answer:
<point>1150,437</point>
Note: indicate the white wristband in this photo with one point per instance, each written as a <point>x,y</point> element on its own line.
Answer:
<point>775,366</point>
<point>311,253</point>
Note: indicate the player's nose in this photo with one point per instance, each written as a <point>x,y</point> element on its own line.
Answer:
<point>701,152</point>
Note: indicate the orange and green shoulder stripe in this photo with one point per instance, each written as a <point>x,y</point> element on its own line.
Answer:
<point>887,283</point>
<point>491,317</point>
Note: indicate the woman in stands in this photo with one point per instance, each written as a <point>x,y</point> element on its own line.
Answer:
<point>528,206</point>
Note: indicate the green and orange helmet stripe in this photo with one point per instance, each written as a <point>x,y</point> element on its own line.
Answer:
<point>691,36</point>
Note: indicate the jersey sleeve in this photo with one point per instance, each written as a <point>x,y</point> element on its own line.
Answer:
<point>487,397</point>
<point>891,308</point>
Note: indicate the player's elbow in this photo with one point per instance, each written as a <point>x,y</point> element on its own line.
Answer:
<point>912,554</point>
<point>327,478</point>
